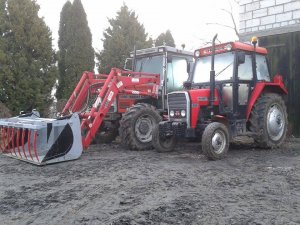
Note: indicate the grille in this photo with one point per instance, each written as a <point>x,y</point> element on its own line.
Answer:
<point>177,101</point>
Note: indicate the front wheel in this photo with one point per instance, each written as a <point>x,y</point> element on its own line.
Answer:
<point>107,133</point>
<point>215,141</point>
<point>162,144</point>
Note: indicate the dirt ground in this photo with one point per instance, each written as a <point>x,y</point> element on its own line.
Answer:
<point>109,185</point>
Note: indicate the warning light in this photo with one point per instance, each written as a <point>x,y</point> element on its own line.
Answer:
<point>254,40</point>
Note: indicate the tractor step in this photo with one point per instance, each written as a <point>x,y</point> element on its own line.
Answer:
<point>40,140</point>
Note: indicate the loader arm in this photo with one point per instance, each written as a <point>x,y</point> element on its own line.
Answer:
<point>116,82</point>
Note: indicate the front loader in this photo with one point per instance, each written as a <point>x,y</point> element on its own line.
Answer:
<point>44,141</point>
<point>135,99</point>
<point>229,94</point>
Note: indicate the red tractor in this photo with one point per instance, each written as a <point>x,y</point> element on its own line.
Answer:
<point>229,94</point>
<point>99,103</point>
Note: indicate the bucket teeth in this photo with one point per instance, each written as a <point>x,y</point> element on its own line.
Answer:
<point>2,147</point>
<point>11,141</point>
<point>28,142</point>
<point>34,146</point>
<point>8,139</point>
<point>40,140</point>
<point>18,142</point>
<point>23,143</point>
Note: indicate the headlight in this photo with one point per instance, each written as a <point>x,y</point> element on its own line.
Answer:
<point>182,113</point>
<point>197,53</point>
<point>172,113</point>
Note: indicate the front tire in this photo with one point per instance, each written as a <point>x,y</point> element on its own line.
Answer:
<point>162,144</point>
<point>215,141</point>
<point>107,133</point>
<point>136,126</point>
<point>268,119</point>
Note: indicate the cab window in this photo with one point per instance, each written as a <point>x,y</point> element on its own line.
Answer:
<point>262,71</point>
<point>177,73</point>
<point>223,68</point>
<point>245,69</point>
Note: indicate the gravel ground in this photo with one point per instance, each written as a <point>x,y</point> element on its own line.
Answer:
<point>109,185</point>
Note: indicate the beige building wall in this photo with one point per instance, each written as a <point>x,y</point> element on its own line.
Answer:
<point>268,17</point>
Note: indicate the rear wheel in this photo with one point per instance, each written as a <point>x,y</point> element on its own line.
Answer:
<point>162,144</point>
<point>136,126</point>
<point>268,120</point>
<point>215,141</point>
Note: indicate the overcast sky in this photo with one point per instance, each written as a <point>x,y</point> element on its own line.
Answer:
<point>187,20</point>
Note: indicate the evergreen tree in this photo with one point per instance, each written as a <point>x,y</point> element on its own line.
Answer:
<point>27,60</point>
<point>120,37</point>
<point>3,50</point>
<point>63,32</point>
<point>76,53</point>
<point>165,39</point>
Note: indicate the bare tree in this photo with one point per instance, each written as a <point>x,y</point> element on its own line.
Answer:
<point>230,13</point>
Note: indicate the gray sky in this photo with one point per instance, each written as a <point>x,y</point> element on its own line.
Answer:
<point>187,20</point>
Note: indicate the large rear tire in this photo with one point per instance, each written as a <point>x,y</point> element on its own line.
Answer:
<point>162,144</point>
<point>136,126</point>
<point>215,141</point>
<point>268,120</point>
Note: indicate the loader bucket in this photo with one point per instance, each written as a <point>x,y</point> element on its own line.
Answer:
<point>40,140</point>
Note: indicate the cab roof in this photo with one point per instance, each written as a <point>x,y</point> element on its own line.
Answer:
<point>230,46</point>
<point>161,49</point>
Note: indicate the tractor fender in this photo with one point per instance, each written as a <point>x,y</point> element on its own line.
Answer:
<point>277,86</point>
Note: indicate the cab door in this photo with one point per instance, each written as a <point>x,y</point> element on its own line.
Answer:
<point>243,84</point>
<point>177,73</point>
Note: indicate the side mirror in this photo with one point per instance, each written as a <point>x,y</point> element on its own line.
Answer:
<point>128,64</point>
<point>241,57</point>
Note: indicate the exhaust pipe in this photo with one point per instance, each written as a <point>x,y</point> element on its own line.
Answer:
<point>212,75</point>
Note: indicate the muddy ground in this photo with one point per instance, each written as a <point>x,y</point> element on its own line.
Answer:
<point>109,185</point>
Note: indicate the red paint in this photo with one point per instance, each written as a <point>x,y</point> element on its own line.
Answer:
<point>277,84</point>
<point>200,97</point>
<point>221,48</point>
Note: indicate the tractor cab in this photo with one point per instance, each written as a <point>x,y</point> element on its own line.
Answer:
<point>237,69</point>
<point>230,93</point>
<point>172,64</point>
